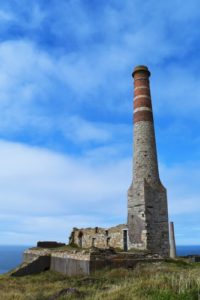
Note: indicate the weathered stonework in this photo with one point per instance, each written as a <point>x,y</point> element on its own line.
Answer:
<point>172,240</point>
<point>147,227</point>
<point>147,198</point>
<point>100,237</point>
<point>79,261</point>
<point>70,263</point>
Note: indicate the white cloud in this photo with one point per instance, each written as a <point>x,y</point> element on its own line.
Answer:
<point>79,63</point>
<point>99,75</point>
<point>44,194</point>
<point>80,130</point>
<point>30,229</point>
<point>182,181</point>
<point>41,188</point>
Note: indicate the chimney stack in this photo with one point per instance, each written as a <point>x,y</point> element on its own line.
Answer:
<point>147,198</point>
<point>172,240</point>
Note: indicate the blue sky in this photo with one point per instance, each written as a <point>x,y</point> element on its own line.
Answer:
<point>66,112</point>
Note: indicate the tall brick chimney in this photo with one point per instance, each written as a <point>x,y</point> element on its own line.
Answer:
<point>147,197</point>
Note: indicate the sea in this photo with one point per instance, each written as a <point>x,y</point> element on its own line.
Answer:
<point>11,256</point>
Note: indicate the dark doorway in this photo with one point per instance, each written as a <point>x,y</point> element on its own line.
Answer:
<point>125,240</point>
<point>108,242</point>
<point>80,239</point>
<point>93,242</point>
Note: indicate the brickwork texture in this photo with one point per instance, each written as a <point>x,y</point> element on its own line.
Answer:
<point>147,197</point>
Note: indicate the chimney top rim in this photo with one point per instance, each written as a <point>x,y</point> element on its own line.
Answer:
<point>141,68</point>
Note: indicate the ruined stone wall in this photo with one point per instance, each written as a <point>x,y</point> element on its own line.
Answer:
<point>79,261</point>
<point>70,263</point>
<point>99,237</point>
<point>31,254</point>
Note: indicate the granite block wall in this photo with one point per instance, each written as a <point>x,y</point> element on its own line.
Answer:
<point>99,237</point>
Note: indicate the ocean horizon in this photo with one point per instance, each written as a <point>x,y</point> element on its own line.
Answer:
<point>11,255</point>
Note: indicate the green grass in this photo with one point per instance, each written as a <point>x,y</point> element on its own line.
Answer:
<point>153,281</point>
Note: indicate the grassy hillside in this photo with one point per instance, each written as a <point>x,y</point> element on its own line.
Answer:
<point>158,281</point>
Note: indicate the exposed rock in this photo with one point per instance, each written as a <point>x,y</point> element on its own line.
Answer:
<point>66,292</point>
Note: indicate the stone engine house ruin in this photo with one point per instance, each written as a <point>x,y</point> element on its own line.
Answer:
<point>147,224</point>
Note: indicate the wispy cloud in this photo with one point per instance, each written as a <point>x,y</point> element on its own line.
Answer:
<point>36,183</point>
<point>41,189</point>
<point>66,108</point>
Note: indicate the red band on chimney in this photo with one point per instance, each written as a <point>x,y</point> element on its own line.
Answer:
<point>143,115</point>
<point>142,91</point>
<point>141,82</point>
<point>142,102</point>
<point>142,95</point>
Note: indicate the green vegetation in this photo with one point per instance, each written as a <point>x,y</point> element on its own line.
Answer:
<point>168,280</point>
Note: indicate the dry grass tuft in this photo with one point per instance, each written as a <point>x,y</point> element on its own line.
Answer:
<point>154,281</point>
